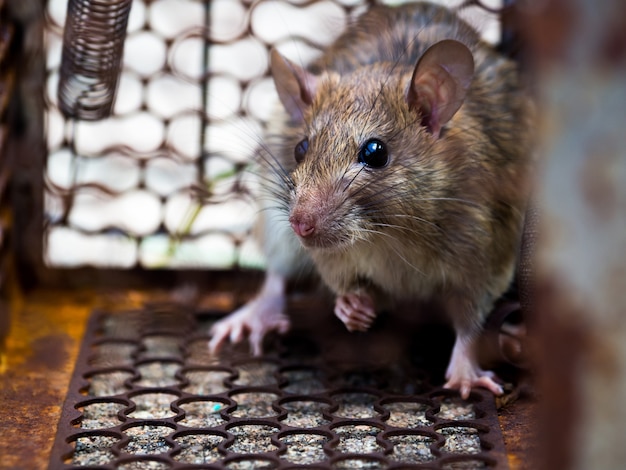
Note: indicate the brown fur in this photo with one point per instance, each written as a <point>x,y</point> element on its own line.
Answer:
<point>443,219</point>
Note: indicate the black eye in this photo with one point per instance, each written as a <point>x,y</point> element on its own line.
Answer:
<point>300,151</point>
<point>374,154</point>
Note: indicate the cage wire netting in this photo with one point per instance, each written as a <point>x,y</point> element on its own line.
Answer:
<point>164,181</point>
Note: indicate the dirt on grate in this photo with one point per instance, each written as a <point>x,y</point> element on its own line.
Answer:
<point>146,394</point>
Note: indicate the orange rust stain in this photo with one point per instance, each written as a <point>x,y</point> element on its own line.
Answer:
<point>40,350</point>
<point>518,423</point>
<point>514,462</point>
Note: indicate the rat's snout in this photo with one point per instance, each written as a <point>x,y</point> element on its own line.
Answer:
<point>302,225</point>
<point>313,217</point>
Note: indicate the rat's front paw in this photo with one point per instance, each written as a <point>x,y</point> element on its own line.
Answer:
<point>355,310</point>
<point>254,320</point>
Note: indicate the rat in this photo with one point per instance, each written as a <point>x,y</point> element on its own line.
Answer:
<point>396,168</point>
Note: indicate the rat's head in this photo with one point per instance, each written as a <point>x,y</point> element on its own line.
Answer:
<point>365,142</point>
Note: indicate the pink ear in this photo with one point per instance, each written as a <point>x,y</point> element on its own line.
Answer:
<point>440,82</point>
<point>295,85</point>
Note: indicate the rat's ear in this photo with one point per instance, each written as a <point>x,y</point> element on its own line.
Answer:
<point>440,82</point>
<point>295,85</point>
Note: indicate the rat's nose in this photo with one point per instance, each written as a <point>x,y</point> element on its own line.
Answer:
<point>303,228</point>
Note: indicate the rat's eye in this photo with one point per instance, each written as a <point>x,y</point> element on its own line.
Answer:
<point>374,154</point>
<point>300,151</point>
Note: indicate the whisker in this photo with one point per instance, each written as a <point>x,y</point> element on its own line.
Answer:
<point>417,219</point>
<point>352,180</point>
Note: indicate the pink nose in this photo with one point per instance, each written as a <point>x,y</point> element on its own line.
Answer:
<point>302,229</point>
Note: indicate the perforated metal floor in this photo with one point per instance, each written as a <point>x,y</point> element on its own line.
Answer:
<point>145,394</point>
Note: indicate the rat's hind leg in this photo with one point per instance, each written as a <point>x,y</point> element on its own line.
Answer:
<point>355,310</point>
<point>258,317</point>
<point>463,370</point>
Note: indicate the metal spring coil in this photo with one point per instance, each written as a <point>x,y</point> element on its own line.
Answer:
<point>93,44</point>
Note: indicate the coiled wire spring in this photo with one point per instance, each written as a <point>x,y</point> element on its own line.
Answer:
<point>93,45</point>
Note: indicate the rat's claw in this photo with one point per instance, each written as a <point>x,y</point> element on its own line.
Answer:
<point>254,320</point>
<point>355,310</point>
<point>236,333</point>
<point>464,373</point>
<point>227,329</point>
<point>465,385</point>
<point>278,323</point>
<point>219,333</point>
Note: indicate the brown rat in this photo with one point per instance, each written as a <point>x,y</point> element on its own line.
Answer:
<point>400,171</point>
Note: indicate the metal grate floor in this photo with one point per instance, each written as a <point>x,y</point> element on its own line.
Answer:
<point>145,394</point>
